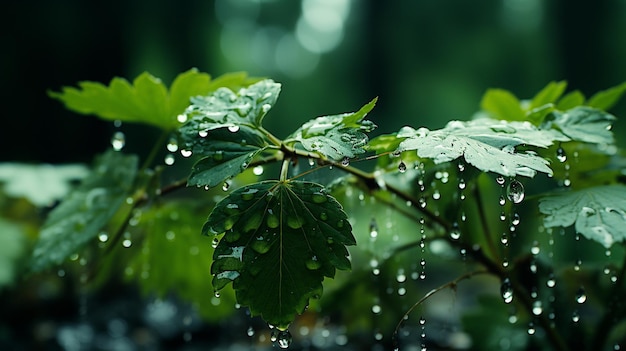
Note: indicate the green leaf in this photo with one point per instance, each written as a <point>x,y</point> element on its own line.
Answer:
<point>548,95</point>
<point>247,107</point>
<point>487,144</point>
<point>173,258</point>
<point>585,124</point>
<point>599,213</point>
<point>606,99</point>
<point>226,151</point>
<point>336,136</point>
<point>80,217</point>
<point>501,104</point>
<point>146,101</point>
<point>12,247</point>
<point>281,239</point>
<point>571,100</point>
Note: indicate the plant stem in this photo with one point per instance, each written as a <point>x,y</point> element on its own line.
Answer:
<point>155,149</point>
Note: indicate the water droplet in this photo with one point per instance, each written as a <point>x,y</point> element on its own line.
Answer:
<point>345,161</point>
<point>401,277</point>
<point>182,118</point>
<point>506,291</point>
<point>313,263</point>
<point>203,133</point>
<point>215,242</point>
<point>575,317</point>
<point>373,228</point>
<point>169,159</point>
<point>250,331</point>
<point>537,308</point>
<point>501,201</point>
<point>127,243</point>
<point>258,170</point>
<point>551,282</point>
<point>103,237</point>
<point>535,248</point>
<point>504,238</point>
<point>185,153</point>
<point>402,167</point>
<point>376,309</point>
<point>118,141</point>
<point>233,129</point>
<point>580,295</point>
<point>560,155</point>
<point>455,234</point>
<point>436,195</point>
<point>516,219</point>
<point>500,180</point>
<point>577,264</point>
<point>226,185</point>
<point>462,184</point>
<point>311,162</point>
<point>531,328</point>
<point>515,192</point>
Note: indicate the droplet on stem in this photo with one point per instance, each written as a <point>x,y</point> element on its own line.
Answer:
<point>402,167</point>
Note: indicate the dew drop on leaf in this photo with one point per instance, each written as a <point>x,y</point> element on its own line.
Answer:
<point>531,328</point>
<point>373,228</point>
<point>402,167</point>
<point>506,290</point>
<point>501,201</point>
<point>214,242</point>
<point>575,317</point>
<point>118,141</point>
<point>313,263</point>
<point>345,161</point>
<point>250,331</point>
<point>233,129</point>
<point>515,192</point>
<point>203,133</point>
<point>226,186</point>
<point>182,118</point>
<point>551,282</point>
<point>537,308</point>
<point>516,219</point>
<point>172,145</point>
<point>455,234</point>
<point>560,155</point>
<point>185,153</point>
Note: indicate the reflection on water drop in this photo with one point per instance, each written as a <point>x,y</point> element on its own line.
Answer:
<point>500,180</point>
<point>118,141</point>
<point>250,331</point>
<point>169,159</point>
<point>575,317</point>
<point>531,328</point>
<point>233,129</point>
<point>172,145</point>
<point>551,282</point>
<point>226,185</point>
<point>258,170</point>
<point>185,153</point>
<point>537,308</point>
<point>515,191</point>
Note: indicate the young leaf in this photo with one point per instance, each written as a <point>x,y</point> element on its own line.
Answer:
<point>501,104</point>
<point>281,239</point>
<point>487,144</point>
<point>585,124</point>
<point>336,136</point>
<point>147,100</point>
<point>246,107</point>
<point>599,213</point>
<point>226,151</point>
<point>80,217</point>
<point>548,95</point>
<point>571,100</point>
<point>606,99</point>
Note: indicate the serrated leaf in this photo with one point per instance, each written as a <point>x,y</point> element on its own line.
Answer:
<point>599,213</point>
<point>571,100</point>
<point>487,144</point>
<point>502,104</point>
<point>226,151</point>
<point>548,95</point>
<point>80,217</point>
<point>336,136</point>
<point>173,258</point>
<point>246,107</point>
<point>281,239</point>
<point>146,101</point>
<point>585,124</point>
<point>606,99</point>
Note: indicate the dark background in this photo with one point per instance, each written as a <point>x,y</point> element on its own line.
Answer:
<point>428,61</point>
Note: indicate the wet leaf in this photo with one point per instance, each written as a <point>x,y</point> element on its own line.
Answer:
<point>170,231</point>
<point>146,100</point>
<point>226,151</point>
<point>599,213</point>
<point>83,213</point>
<point>585,124</point>
<point>246,107</point>
<point>336,136</point>
<point>487,144</point>
<point>280,240</point>
<point>606,99</point>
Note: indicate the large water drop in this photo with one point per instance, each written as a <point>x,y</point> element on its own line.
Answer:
<point>118,141</point>
<point>560,155</point>
<point>581,297</point>
<point>515,192</point>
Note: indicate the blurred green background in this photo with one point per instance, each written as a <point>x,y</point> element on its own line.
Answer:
<point>428,61</point>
